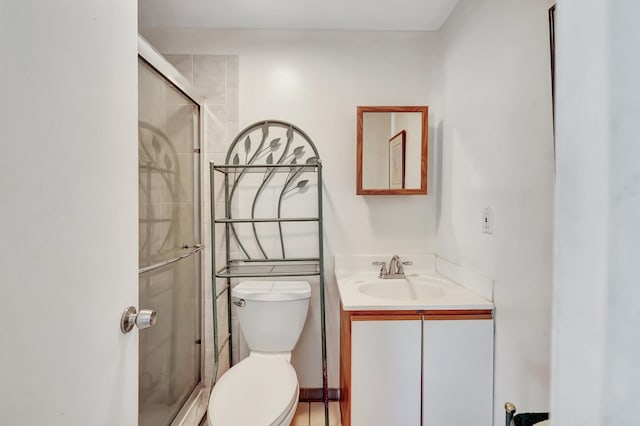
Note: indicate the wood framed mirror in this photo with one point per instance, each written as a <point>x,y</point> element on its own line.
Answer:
<point>391,151</point>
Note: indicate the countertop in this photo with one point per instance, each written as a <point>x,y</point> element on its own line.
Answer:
<point>440,293</point>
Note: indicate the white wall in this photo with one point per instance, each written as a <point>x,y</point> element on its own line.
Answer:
<point>412,123</point>
<point>596,343</point>
<point>497,150</point>
<point>69,245</point>
<point>375,149</point>
<point>315,79</point>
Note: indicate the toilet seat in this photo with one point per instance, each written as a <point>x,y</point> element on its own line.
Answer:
<point>258,391</point>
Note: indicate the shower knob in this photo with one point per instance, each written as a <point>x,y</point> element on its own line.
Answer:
<point>144,319</point>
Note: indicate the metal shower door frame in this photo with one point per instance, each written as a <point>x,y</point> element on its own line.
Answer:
<point>195,407</point>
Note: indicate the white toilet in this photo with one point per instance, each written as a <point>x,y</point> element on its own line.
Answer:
<point>262,389</point>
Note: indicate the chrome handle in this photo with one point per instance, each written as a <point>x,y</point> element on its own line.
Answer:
<point>144,319</point>
<point>409,263</point>
<point>195,249</point>
<point>383,267</point>
<point>239,302</point>
<point>195,246</point>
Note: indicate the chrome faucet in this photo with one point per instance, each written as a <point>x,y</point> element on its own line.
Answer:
<point>396,268</point>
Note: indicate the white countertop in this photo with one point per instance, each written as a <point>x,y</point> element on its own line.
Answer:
<point>423,291</point>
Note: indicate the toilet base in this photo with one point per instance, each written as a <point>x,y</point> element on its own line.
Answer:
<point>258,391</point>
<point>285,422</point>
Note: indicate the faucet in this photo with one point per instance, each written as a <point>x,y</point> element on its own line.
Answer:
<point>396,268</point>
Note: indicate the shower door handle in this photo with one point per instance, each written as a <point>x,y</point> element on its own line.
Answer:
<point>144,319</point>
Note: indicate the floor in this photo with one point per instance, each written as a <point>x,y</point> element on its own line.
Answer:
<point>312,414</point>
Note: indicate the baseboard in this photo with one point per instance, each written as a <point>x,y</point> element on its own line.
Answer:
<point>315,394</point>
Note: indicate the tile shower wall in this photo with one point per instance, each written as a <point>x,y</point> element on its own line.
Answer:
<point>216,77</point>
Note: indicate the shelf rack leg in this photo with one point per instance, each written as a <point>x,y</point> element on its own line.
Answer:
<point>216,362</point>
<point>227,206</point>
<point>325,384</point>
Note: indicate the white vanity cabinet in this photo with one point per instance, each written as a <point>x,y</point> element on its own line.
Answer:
<point>457,372</point>
<point>429,368</point>
<point>385,372</point>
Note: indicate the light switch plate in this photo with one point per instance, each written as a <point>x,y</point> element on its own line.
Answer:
<point>487,220</point>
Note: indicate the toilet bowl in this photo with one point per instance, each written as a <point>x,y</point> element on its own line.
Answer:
<point>262,390</point>
<point>258,391</point>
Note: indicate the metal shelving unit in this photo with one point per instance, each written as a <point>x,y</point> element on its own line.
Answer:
<point>282,160</point>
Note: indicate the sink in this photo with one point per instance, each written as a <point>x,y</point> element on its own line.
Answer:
<point>423,289</point>
<point>402,290</point>
<point>414,288</point>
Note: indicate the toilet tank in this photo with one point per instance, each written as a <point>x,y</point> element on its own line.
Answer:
<point>273,313</point>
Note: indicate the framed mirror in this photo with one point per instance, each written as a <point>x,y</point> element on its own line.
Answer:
<point>391,152</point>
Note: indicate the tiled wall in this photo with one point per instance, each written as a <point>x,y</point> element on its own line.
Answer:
<point>216,77</point>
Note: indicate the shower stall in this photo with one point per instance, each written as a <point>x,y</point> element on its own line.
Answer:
<point>170,248</point>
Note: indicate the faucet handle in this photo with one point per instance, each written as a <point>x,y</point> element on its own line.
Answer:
<point>401,265</point>
<point>383,267</point>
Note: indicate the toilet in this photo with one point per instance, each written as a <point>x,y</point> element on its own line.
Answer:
<point>262,389</point>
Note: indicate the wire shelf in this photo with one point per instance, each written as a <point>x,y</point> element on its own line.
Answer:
<point>280,269</point>
<point>269,147</point>
<point>269,220</point>
<point>264,168</point>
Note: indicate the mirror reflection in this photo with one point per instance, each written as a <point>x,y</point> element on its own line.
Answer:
<point>392,145</point>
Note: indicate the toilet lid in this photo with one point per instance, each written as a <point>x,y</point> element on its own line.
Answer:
<point>259,391</point>
<point>272,290</point>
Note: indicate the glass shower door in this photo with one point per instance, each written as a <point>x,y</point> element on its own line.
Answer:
<point>169,246</point>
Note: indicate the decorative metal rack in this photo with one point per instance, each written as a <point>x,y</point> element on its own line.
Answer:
<point>282,149</point>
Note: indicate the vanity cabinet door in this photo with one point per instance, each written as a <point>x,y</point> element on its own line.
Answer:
<point>385,372</point>
<point>458,372</point>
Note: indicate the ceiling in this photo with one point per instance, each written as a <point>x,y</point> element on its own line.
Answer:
<point>389,15</point>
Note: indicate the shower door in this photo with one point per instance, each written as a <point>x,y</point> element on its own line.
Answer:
<point>170,276</point>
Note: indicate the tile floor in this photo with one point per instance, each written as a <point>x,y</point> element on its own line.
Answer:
<point>312,414</point>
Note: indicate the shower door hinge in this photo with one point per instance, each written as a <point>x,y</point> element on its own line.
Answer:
<point>196,150</point>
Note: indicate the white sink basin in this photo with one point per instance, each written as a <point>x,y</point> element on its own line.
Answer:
<point>416,291</point>
<point>406,289</point>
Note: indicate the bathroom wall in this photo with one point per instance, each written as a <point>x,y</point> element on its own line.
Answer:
<point>315,79</point>
<point>497,151</point>
<point>411,122</point>
<point>376,130</point>
<point>596,343</point>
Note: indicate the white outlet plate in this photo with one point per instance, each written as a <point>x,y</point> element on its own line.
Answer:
<point>487,220</point>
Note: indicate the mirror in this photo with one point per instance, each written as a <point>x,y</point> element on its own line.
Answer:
<point>392,150</point>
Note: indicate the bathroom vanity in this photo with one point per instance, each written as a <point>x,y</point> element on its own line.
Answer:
<point>414,351</point>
